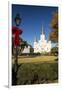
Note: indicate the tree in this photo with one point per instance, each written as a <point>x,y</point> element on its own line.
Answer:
<point>54,50</point>
<point>54,26</point>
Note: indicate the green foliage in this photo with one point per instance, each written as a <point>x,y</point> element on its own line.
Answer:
<point>54,25</point>
<point>54,50</point>
<point>37,73</point>
<point>31,50</point>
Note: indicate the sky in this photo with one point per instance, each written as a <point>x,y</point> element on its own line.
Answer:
<point>33,18</point>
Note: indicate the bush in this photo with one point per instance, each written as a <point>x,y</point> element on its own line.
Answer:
<point>54,51</point>
<point>37,73</point>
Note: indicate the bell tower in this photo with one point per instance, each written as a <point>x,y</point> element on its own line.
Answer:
<point>35,44</point>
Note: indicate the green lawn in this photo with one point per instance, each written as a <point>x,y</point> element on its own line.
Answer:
<point>27,59</point>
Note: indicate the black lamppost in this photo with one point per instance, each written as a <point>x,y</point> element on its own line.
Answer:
<point>16,32</point>
<point>17,20</point>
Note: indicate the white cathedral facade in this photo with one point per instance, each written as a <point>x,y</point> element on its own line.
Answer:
<point>42,45</point>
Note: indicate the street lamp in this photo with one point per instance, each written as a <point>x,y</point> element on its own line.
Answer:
<point>15,33</point>
<point>17,20</point>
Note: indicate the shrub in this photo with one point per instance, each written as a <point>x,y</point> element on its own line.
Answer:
<point>54,51</point>
<point>37,73</point>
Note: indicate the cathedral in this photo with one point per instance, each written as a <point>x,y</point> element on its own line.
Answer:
<point>42,45</point>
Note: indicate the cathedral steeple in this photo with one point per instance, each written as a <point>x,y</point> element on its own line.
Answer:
<point>42,32</point>
<point>35,38</point>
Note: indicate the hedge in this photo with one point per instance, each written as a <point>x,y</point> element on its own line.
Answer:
<point>37,73</point>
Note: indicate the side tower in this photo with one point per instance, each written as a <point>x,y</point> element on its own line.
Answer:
<point>49,46</point>
<point>35,44</point>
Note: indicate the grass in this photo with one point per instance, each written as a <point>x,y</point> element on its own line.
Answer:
<point>27,59</point>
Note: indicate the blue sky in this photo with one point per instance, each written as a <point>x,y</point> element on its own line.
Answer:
<point>33,17</point>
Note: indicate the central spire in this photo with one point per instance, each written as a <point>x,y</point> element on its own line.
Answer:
<point>42,32</point>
